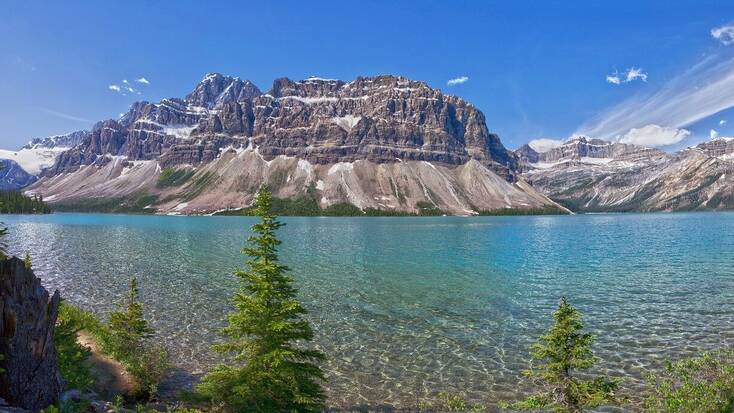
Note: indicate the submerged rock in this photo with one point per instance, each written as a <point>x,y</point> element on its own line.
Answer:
<point>27,317</point>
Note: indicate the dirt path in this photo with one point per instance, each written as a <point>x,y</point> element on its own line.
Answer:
<point>110,376</point>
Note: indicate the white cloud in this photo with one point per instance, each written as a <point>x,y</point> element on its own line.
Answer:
<point>124,89</point>
<point>627,76</point>
<point>713,134</point>
<point>544,144</point>
<point>654,135</point>
<point>457,81</point>
<point>114,88</point>
<point>614,79</point>
<point>142,80</point>
<point>702,91</point>
<point>722,122</point>
<point>635,73</point>
<point>724,34</point>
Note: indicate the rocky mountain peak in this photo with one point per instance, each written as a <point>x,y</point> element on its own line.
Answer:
<point>216,89</point>
<point>57,141</point>
<point>721,147</point>
<point>589,150</point>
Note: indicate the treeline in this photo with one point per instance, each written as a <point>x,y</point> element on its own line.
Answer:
<point>14,202</point>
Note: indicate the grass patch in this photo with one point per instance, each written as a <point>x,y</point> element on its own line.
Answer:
<point>173,177</point>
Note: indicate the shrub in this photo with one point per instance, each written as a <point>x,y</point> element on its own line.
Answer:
<point>700,384</point>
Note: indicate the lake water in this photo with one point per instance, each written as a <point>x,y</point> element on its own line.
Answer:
<point>407,307</point>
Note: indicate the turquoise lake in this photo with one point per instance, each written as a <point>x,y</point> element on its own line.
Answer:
<point>407,307</point>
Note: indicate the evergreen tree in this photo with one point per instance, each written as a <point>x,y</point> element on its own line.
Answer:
<point>128,327</point>
<point>275,374</point>
<point>561,352</point>
<point>27,261</point>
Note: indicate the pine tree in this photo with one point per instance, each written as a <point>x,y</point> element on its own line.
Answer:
<point>274,374</point>
<point>27,261</point>
<point>128,327</point>
<point>561,352</point>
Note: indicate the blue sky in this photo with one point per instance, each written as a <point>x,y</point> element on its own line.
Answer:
<point>536,69</point>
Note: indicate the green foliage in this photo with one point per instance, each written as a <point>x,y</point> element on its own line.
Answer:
<point>173,177</point>
<point>3,242</point>
<point>126,338</point>
<point>133,204</point>
<point>546,210</point>
<point>71,355</point>
<point>560,353</point>
<point>27,261</point>
<point>274,374</point>
<point>450,402</point>
<point>701,384</point>
<point>14,202</point>
<point>2,357</point>
<point>69,406</point>
<point>428,209</point>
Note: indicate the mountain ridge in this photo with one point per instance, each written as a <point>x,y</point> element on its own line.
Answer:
<point>383,142</point>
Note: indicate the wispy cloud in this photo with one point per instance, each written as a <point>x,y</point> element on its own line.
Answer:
<point>142,80</point>
<point>722,122</point>
<point>457,81</point>
<point>701,91</point>
<point>713,134</point>
<point>724,34</point>
<point>630,75</point>
<point>114,88</point>
<point>65,115</point>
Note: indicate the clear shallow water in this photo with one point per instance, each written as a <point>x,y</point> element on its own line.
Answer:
<point>407,307</point>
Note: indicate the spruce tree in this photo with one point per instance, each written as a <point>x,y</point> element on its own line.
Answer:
<point>273,373</point>
<point>127,327</point>
<point>559,354</point>
<point>27,261</point>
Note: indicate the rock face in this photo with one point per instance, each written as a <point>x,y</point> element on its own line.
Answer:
<point>27,317</point>
<point>13,177</point>
<point>380,119</point>
<point>591,175</point>
<point>394,142</point>
<point>20,168</point>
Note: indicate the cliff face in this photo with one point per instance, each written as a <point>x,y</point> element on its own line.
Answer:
<point>411,143</point>
<point>27,317</point>
<point>379,119</point>
<point>591,175</point>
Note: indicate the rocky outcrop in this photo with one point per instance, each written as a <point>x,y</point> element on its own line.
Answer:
<point>27,317</point>
<point>382,119</point>
<point>13,177</point>
<point>591,175</point>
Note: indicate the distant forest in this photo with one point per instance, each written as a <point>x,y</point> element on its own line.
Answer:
<point>14,202</point>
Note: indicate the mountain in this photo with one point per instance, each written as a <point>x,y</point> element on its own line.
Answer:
<point>22,166</point>
<point>384,142</point>
<point>592,175</point>
<point>13,177</point>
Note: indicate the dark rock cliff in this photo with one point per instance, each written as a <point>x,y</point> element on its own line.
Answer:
<point>27,317</point>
